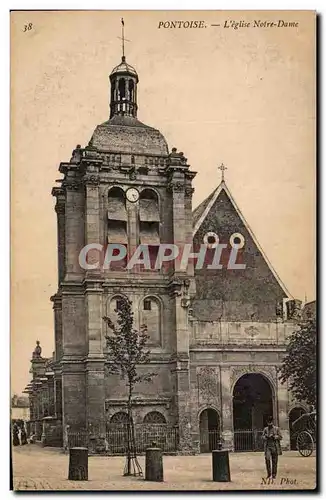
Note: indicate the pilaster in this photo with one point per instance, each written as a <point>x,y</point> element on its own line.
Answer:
<point>91,181</point>
<point>59,193</point>
<point>74,226</point>
<point>57,310</point>
<point>226,405</point>
<point>95,403</point>
<point>283,419</point>
<point>73,393</point>
<point>180,371</point>
<point>58,395</point>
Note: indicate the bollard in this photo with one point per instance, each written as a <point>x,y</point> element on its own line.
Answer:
<point>154,464</point>
<point>221,465</point>
<point>78,464</point>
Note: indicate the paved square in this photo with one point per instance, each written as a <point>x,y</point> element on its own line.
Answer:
<point>37,468</point>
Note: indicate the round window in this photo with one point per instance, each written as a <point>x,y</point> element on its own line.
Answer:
<point>211,239</point>
<point>237,240</point>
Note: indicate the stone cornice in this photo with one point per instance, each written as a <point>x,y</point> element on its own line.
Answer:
<point>176,187</point>
<point>72,287</point>
<point>138,402</point>
<point>57,191</point>
<point>238,348</point>
<point>190,174</point>
<point>71,184</point>
<point>56,299</point>
<point>127,283</point>
<point>156,358</point>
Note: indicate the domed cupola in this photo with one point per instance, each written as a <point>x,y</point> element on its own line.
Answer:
<point>124,81</point>
<point>123,133</point>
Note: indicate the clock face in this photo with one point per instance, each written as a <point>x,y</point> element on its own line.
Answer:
<point>132,195</point>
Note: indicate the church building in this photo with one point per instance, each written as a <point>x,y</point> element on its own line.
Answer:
<point>217,334</point>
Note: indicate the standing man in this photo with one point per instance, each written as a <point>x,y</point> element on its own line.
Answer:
<point>15,435</point>
<point>23,435</point>
<point>272,447</point>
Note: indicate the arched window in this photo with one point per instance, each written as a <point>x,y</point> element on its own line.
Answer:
<point>149,223</point>
<point>116,204</point>
<point>149,206</point>
<point>209,427</point>
<point>154,417</point>
<point>151,317</point>
<point>131,90</point>
<point>117,432</point>
<point>155,428</point>
<point>117,224</point>
<point>122,89</point>
<point>114,304</point>
<point>119,418</point>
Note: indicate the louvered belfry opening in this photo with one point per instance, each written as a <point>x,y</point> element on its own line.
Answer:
<point>117,224</point>
<point>149,223</point>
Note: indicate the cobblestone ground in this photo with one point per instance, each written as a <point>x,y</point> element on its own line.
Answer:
<point>37,468</point>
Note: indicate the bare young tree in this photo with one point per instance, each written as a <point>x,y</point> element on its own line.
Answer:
<point>127,350</point>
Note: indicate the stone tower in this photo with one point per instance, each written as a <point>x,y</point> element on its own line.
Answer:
<point>123,188</point>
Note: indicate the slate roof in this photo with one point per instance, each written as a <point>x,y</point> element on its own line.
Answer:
<point>125,134</point>
<point>198,211</point>
<point>201,212</point>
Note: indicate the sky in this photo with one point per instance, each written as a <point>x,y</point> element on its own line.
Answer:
<point>244,97</point>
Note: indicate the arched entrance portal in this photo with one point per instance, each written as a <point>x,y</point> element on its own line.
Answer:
<point>252,405</point>
<point>293,415</point>
<point>209,426</point>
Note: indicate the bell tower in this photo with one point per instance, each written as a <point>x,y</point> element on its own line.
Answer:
<point>124,188</point>
<point>123,81</point>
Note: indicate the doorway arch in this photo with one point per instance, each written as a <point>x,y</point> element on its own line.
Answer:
<point>252,405</point>
<point>295,413</point>
<point>117,432</point>
<point>209,427</point>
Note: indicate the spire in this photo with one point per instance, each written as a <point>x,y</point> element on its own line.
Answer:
<point>124,81</point>
<point>123,38</point>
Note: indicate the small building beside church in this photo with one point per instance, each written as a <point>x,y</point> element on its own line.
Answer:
<point>19,408</point>
<point>217,335</point>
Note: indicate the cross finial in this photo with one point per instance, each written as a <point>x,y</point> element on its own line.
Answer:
<point>123,39</point>
<point>222,167</point>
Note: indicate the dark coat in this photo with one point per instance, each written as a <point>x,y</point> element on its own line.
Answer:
<point>275,433</point>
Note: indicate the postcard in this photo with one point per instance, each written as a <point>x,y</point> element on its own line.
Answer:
<point>163,244</point>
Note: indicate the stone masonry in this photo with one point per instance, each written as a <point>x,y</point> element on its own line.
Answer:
<point>208,328</point>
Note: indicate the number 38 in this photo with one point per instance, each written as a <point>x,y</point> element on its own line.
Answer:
<point>28,27</point>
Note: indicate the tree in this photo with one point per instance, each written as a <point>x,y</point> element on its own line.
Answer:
<point>299,364</point>
<point>127,350</point>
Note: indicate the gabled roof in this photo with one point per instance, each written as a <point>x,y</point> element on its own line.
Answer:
<point>197,213</point>
<point>200,213</point>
